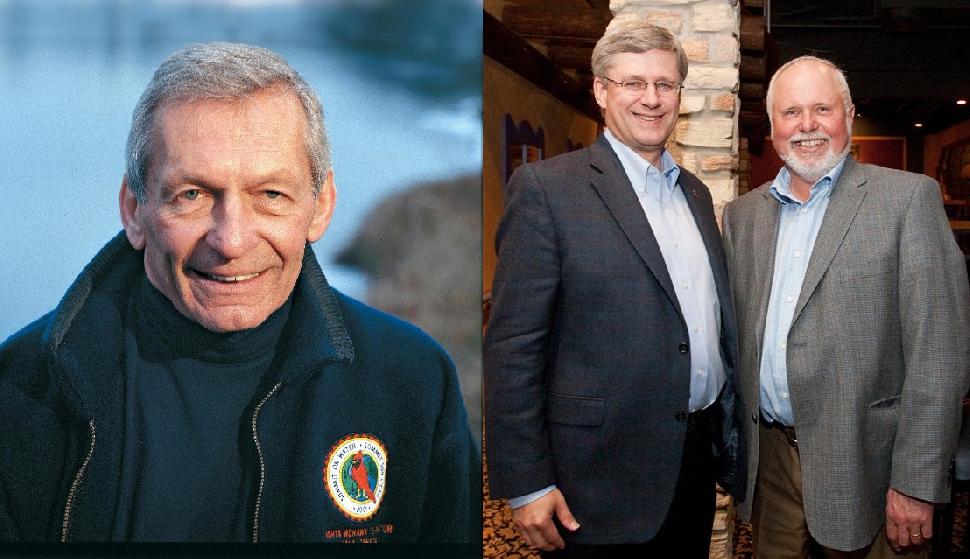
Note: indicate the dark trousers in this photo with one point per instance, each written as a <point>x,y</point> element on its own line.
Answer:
<point>686,531</point>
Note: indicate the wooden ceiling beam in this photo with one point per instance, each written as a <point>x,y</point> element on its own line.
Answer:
<point>516,54</point>
<point>543,23</point>
<point>569,56</point>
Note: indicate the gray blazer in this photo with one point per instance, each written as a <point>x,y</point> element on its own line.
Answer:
<point>586,355</point>
<point>878,352</point>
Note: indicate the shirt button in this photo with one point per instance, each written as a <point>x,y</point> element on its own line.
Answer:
<point>683,347</point>
<point>784,395</point>
<point>788,299</point>
<point>797,254</point>
<point>683,284</point>
<point>700,372</point>
<point>782,347</point>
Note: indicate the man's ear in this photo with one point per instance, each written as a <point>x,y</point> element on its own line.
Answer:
<point>323,209</point>
<point>131,216</point>
<point>599,91</point>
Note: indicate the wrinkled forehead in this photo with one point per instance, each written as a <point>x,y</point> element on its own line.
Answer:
<point>271,109</point>
<point>208,129</point>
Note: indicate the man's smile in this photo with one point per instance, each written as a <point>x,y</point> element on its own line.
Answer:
<point>648,119</point>
<point>224,278</point>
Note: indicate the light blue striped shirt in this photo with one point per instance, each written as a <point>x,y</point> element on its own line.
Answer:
<point>689,268</point>
<point>798,225</point>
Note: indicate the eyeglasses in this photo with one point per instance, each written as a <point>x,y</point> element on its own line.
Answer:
<point>639,86</point>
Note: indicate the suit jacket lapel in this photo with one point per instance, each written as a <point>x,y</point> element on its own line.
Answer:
<point>847,195</point>
<point>614,188</point>
<point>762,251</point>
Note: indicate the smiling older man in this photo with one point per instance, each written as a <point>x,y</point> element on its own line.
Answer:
<point>853,311</point>
<point>200,381</point>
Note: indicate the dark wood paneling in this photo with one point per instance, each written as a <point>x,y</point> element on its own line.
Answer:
<point>573,23</point>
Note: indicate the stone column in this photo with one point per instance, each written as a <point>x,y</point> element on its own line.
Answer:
<point>705,141</point>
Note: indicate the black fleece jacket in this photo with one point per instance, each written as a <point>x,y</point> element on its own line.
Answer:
<point>343,369</point>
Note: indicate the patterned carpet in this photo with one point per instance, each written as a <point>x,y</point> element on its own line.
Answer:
<point>500,540</point>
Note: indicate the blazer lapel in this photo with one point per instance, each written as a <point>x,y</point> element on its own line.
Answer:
<point>847,195</point>
<point>614,188</point>
<point>762,251</point>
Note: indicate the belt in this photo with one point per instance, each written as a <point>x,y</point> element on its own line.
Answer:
<point>789,432</point>
<point>699,417</point>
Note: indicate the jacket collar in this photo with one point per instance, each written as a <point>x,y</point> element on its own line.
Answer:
<point>83,340</point>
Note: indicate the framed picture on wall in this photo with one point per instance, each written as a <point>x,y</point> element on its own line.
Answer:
<point>954,169</point>
<point>523,144</point>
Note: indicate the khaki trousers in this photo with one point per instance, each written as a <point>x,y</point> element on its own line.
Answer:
<point>778,527</point>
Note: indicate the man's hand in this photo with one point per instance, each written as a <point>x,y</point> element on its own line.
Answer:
<point>534,521</point>
<point>909,521</point>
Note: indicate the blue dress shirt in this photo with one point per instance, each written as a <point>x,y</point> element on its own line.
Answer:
<point>689,267</point>
<point>798,225</point>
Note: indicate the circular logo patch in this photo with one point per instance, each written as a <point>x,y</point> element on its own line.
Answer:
<point>355,474</point>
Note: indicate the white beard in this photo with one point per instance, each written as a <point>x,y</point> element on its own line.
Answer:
<point>810,171</point>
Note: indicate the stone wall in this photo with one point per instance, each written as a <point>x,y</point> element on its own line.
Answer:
<point>705,141</point>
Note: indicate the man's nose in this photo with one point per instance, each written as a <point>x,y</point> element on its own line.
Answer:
<point>232,233</point>
<point>806,122</point>
<point>650,96</point>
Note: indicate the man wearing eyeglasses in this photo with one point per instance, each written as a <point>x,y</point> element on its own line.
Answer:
<point>609,357</point>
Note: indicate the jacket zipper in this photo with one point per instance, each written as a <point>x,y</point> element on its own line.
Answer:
<point>77,483</point>
<point>262,465</point>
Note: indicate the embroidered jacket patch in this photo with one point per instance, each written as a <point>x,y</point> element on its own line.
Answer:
<point>355,474</point>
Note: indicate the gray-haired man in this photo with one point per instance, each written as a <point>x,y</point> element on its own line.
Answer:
<point>853,308</point>
<point>200,380</point>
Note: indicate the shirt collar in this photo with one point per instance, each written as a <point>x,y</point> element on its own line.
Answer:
<point>637,167</point>
<point>781,186</point>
